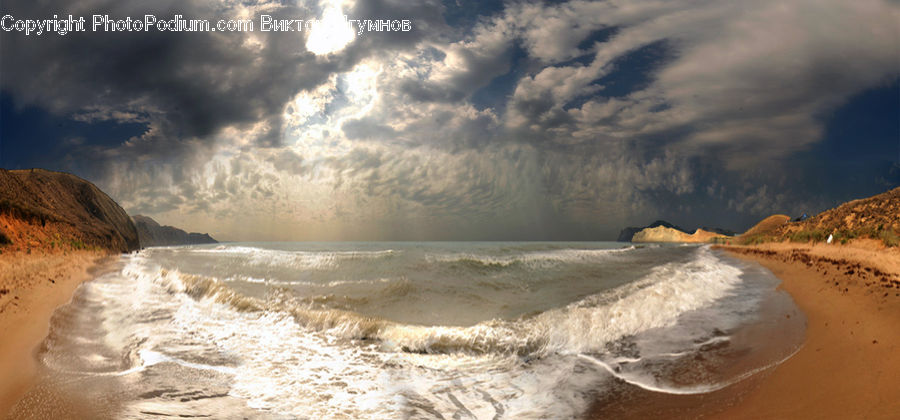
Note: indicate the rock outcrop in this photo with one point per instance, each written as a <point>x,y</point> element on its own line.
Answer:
<point>152,234</point>
<point>665,234</point>
<point>42,209</point>
<point>627,234</point>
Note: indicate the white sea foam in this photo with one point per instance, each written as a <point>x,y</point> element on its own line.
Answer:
<point>281,357</point>
<point>583,326</point>
<point>535,259</point>
<point>586,325</point>
<point>290,368</point>
<point>294,259</point>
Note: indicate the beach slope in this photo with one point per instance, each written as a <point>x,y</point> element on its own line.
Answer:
<point>848,365</point>
<point>55,228</point>
<point>31,288</point>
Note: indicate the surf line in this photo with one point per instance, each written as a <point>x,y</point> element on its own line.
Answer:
<point>690,390</point>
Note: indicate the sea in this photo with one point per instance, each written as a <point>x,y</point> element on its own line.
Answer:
<point>399,330</point>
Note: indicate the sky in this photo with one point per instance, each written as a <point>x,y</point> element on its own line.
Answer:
<point>516,120</point>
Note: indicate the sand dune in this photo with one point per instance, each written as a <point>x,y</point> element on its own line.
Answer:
<point>768,225</point>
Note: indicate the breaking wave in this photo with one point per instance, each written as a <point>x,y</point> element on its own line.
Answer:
<point>654,301</point>
<point>524,330</point>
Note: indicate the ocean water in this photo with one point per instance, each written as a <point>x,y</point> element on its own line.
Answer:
<point>413,330</point>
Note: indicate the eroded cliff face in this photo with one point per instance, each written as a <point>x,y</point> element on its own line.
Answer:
<point>42,209</point>
<point>152,234</point>
<point>628,233</point>
<point>665,234</point>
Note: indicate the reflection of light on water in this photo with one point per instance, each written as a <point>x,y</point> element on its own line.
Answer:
<point>331,33</point>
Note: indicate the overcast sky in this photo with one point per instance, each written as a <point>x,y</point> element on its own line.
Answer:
<point>486,121</point>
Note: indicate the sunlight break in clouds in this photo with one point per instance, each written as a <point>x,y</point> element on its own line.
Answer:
<point>331,33</point>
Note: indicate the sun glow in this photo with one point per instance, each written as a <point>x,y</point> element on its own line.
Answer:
<point>361,87</point>
<point>331,33</point>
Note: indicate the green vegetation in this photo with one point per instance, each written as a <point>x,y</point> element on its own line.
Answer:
<point>755,239</point>
<point>844,235</point>
<point>872,218</point>
<point>808,235</point>
<point>26,213</point>
<point>889,238</point>
<point>67,243</point>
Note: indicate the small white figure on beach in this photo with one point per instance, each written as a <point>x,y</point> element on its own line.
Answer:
<point>830,239</point>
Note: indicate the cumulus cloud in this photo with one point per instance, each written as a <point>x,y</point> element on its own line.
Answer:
<point>254,137</point>
<point>757,77</point>
<point>182,85</point>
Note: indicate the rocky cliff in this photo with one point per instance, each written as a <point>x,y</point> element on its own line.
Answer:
<point>152,234</point>
<point>665,234</point>
<point>627,234</point>
<point>42,209</point>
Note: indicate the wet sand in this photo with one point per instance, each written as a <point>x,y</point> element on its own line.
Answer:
<point>848,365</point>
<point>32,286</point>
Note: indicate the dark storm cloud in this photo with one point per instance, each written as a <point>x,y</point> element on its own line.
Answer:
<point>427,22</point>
<point>431,92</point>
<point>426,15</point>
<point>477,67</point>
<point>288,161</point>
<point>521,120</point>
<point>367,128</point>
<point>182,85</point>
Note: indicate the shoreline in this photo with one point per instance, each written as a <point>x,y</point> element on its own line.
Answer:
<point>847,365</point>
<point>845,368</point>
<point>32,286</point>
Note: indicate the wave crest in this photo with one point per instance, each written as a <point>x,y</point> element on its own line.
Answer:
<point>584,326</point>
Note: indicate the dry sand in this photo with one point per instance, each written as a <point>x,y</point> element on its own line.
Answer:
<point>32,286</point>
<point>849,365</point>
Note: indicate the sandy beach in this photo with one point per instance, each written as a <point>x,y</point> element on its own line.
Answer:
<point>847,367</point>
<point>32,286</point>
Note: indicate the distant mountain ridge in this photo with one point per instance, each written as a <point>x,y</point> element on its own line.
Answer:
<point>41,209</point>
<point>720,231</point>
<point>152,233</point>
